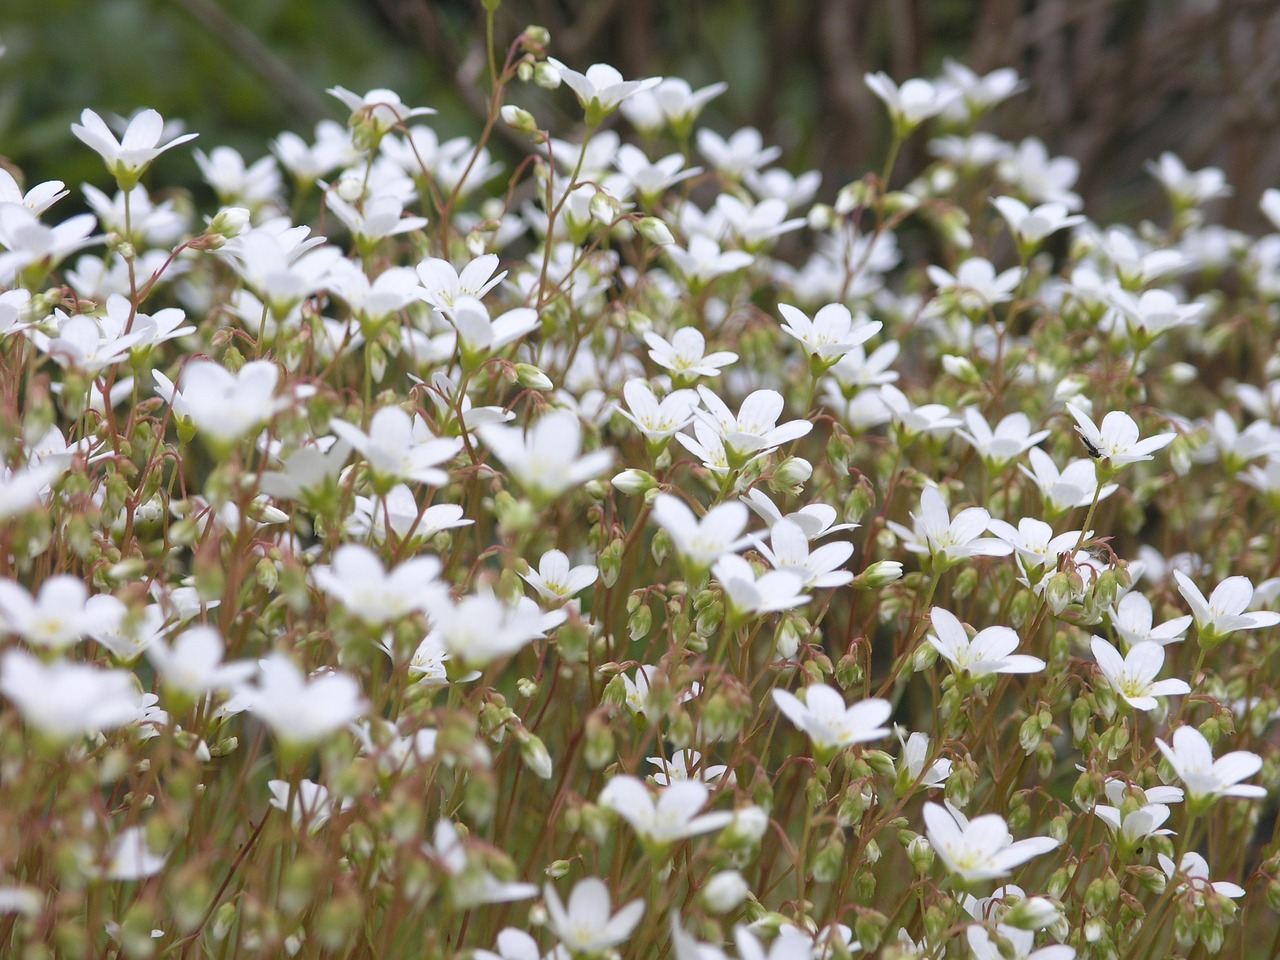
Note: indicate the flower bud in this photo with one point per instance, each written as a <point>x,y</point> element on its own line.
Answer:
<point>1033,913</point>
<point>852,196</point>
<point>744,832</point>
<point>921,855</point>
<point>633,482</point>
<point>534,754</point>
<point>655,231</point>
<point>604,208</point>
<point>879,574</point>
<point>724,891</point>
<point>531,378</point>
<point>600,747</point>
<point>793,472</point>
<point>962,369</point>
<point>828,862</point>
<point>519,119</point>
<point>546,76</point>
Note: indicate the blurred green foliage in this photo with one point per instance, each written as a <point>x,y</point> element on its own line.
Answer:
<point>118,56</point>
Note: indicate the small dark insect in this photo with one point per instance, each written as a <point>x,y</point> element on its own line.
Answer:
<point>1088,445</point>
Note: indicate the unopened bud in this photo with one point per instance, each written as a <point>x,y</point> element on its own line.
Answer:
<point>519,119</point>
<point>634,482</point>
<point>655,231</point>
<point>724,892</point>
<point>530,377</point>
<point>546,76</point>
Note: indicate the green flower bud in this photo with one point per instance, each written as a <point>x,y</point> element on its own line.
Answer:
<point>655,231</point>
<point>519,119</point>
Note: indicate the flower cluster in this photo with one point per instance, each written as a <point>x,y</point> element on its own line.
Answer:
<point>537,562</point>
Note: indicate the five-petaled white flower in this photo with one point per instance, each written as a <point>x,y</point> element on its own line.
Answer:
<point>1133,676</point>
<point>701,542</point>
<point>830,724</point>
<point>1204,778</point>
<point>1224,612</point>
<point>1195,869</point>
<point>672,816</point>
<point>601,88</point>
<point>990,650</point>
<point>128,157</point>
<point>587,924</point>
<point>1132,620</point>
<point>981,848</point>
<point>400,447</point>
<point>947,541</point>
<point>685,354</point>
<point>301,711</point>
<point>833,332</point>
<point>359,581</point>
<point>748,595</point>
<point>547,459</point>
<point>1116,441</point>
<point>555,580</point>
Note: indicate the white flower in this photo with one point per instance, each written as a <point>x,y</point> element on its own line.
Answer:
<point>1133,677</point>
<point>684,765</point>
<point>915,752</point>
<point>990,650</point>
<point>400,447</point>
<point>28,243</point>
<point>359,581</point>
<point>1021,942</point>
<point>1132,621</point>
<point>1036,546</point>
<point>657,420</point>
<point>129,156</point>
<point>914,102</point>
<point>301,711</point>
<point>1204,778</point>
<point>976,286</point>
<point>1011,438</point>
<point>130,856</point>
<point>588,924</point>
<point>754,430</point>
<point>830,724</point>
<point>981,848</point>
<point>442,285</point>
<point>700,543</point>
<point>832,333</point>
<point>1133,828</point>
<point>636,689</point>
<point>59,615</point>
<point>382,107</point>
<point>1117,439</point>
<point>478,334</point>
<point>481,628</point>
<point>556,581</point>
<point>703,260</point>
<point>222,405</point>
<point>672,102</point>
<point>64,700</point>
<point>685,354</point>
<point>1029,225</point>
<point>1065,489</point>
<point>1195,869</point>
<point>673,816</point>
<point>789,550</point>
<point>601,88</point>
<point>470,884</point>
<point>311,806</point>
<point>1188,188</point>
<point>744,152</point>
<point>911,420</point>
<point>194,663</point>
<point>546,460</point>
<point>948,541</point>
<point>1224,612</point>
<point>748,595</point>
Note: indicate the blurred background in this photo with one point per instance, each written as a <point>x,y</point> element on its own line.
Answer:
<point>1112,83</point>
